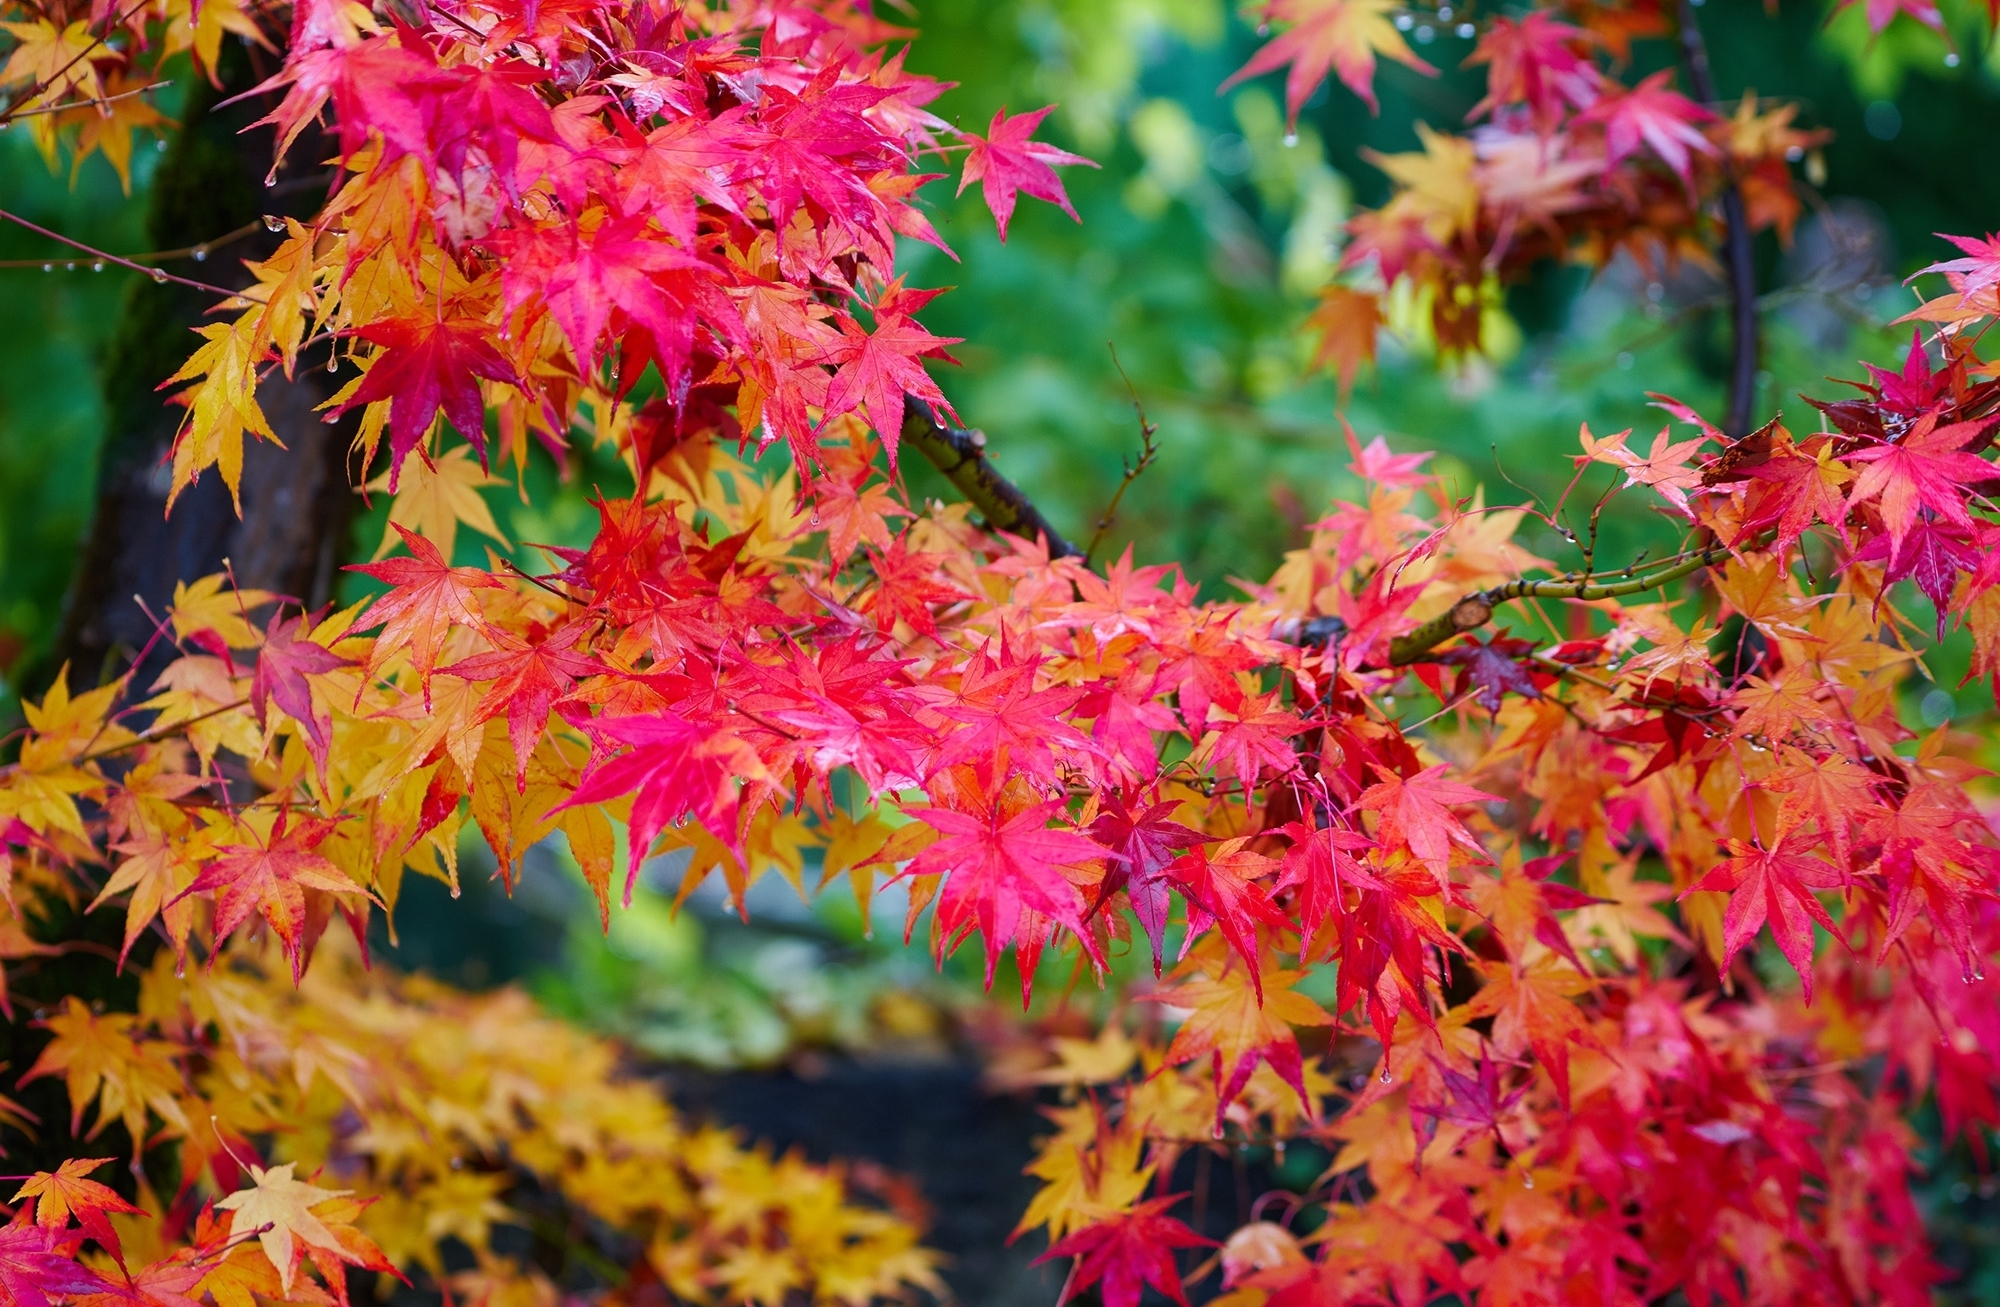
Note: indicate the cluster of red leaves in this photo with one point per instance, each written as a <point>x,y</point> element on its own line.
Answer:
<point>549,199</point>
<point>1533,904</point>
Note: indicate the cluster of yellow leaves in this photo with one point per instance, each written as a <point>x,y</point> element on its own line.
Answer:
<point>430,1108</point>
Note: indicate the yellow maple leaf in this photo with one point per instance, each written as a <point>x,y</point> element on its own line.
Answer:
<point>434,496</point>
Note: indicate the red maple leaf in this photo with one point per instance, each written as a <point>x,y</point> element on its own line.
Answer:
<point>1416,813</point>
<point>271,878</point>
<point>878,368</point>
<point>428,364</point>
<point>429,598</point>
<point>528,677</point>
<point>1774,886</point>
<point>1009,727</point>
<point>282,667</point>
<point>1927,470</point>
<point>34,1267</point>
<point>1127,1252</point>
<point>1320,868</point>
<point>624,264</point>
<point>678,768</point>
<point>1141,843</point>
<point>1220,882</point>
<point>1658,117</point>
<point>1540,62</point>
<point>1001,861</point>
<point>906,586</point>
<point>1005,161</point>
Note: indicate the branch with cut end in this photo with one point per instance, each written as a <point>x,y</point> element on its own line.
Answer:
<point>961,456</point>
<point>1476,610</point>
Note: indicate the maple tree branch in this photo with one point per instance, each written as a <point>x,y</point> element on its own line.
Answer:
<point>1736,243</point>
<point>1476,610</point>
<point>961,456</point>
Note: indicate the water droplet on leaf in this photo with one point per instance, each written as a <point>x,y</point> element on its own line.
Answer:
<point>273,223</point>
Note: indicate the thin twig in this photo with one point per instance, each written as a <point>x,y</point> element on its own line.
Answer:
<point>157,274</point>
<point>196,252</point>
<point>99,102</point>
<point>1148,451</point>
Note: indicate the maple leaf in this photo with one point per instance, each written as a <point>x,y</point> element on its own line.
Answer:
<point>1001,861</point>
<point>33,1269</point>
<point>428,598</point>
<point>1125,1253</point>
<point>1656,116</point>
<point>427,364</point>
<point>1141,842</point>
<point>1347,321</point>
<point>907,584</point>
<point>1006,161</point>
<point>1342,35</point>
<point>878,368</point>
<point>68,1191</point>
<point>1416,813</point>
<point>678,769</point>
<point>1774,886</point>
<point>1538,61</point>
<point>1240,1019</point>
<point>1663,467</point>
<point>437,496</point>
<point>1493,668</point>
<point>283,664</point>
<point>1927,470</point>
<point>1220,882</point>
<point>270,877</point>
<point>528,676</point>
<point>280,1208</point>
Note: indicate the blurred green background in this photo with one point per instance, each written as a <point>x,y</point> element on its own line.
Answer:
<point>1205,233</point>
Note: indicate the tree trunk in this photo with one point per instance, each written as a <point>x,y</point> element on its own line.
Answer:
<point>297,501</point>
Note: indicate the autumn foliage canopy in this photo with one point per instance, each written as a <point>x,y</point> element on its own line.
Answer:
<point>1537,815</point>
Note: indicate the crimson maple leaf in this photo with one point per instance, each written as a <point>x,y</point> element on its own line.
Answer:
<point>1002,860</point>
<point>1927,470</point>
<point>907,585</point>
<point>1008,723</point>
<point>1774,886</point>
<point>282,667</point>
<point>1220,882</point>
<point>1537,61</point>
<point>1005,161</point>
<point>581,276</point>
<point>34,1267</point>
<point>428,598</point>
<point>427,364</point>
<point>1127,1252</point>
<point>1141,843</point>
<point>878,368</point>
<point>678,769</point>
<point>1655,115</point>
<point>528,677</point>
<point>271,878</point>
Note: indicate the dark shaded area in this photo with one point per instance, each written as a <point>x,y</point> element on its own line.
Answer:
<point>933,1124</point>
<point>296,502</point>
